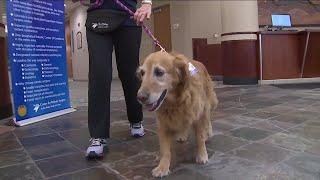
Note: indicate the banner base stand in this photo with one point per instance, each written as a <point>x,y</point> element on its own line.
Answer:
<point>43,117</point>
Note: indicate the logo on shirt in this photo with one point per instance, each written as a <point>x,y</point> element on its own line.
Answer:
<point>100,25</point>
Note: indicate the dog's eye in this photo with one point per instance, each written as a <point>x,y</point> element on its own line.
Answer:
<point>158,72</point>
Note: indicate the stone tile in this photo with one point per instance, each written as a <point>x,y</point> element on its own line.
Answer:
<point>240,120</point>
<point>288,118</point>
<point>13,157</point>
<point>121,151</point>
<point>9,145</point>
<point>41,140</point>
<point>219,115</point>
<point>271,95</point>
<point>251,134</point>
<point>221,127</point>
<point>231,104</point>
<point>223,143</point>
<point>7,136</point>
<point>315,149</point>
<point>151,127</point>
<point>97,173</point>
<point>314,107</point>
<point>32,130</point>
<point>310,130</point>
<point>6,127</point>
<point>262,114</point>
<point>65,123</point>
<point>118,114</point>
<point>262,153</point>
<point>119,125</point>
<point>149,120</point>
<point>234,111</point>
<point>282,125</point>
<point>288,98</point>
<point>305,163</point>
<point>280,109</point>
<point>290,141</point>
<point>149,143</point>
<point>124,136</point>
<point>268,126</point>
<point>138,167</point>
<point>304,114</point>
<point>22,171</point>
<point>80,138</point>
<point>261,105</point>
<point>187,174</point>
<point>226,167</point>
<point>300,103</point>
<point>183,153</point>
<point>117,105</point>
<point>64,164</point>
<point>283,171</point>
<point>50,150</point>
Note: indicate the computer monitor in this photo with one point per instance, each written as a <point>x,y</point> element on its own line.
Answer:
<point>281,20</point>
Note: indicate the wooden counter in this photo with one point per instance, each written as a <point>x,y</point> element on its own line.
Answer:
<point>289,54</point>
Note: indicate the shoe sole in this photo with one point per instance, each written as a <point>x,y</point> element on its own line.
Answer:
<point>93,155</point>
<point>137,135</point>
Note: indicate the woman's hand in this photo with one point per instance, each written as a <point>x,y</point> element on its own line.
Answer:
<point>143,12</point>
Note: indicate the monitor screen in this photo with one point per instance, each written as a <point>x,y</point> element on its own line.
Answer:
<point>281,20</point>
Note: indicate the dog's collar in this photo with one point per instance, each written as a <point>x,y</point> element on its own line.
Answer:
<point>192,69</point>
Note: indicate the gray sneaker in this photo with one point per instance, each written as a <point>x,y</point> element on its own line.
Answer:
<point>95,150</point>
<point>137,130</point>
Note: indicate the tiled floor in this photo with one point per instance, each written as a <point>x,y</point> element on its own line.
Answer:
<point>261,132</point>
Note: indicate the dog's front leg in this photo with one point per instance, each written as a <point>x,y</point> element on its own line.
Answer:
<point>165,139</point>
<point>202,155</point>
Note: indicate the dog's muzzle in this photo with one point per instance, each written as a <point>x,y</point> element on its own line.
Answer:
<point>156,105</point>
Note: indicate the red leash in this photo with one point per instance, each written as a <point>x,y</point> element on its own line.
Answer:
<point>98,3</point>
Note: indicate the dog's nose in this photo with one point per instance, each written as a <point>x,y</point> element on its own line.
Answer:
<point>142,96</point>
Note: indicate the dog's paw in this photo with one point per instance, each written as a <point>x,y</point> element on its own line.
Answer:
<point>181,138</point>
<point>202,158</point>
<point>160,172</point>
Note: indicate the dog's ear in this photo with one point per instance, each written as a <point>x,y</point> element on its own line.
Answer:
<point>181,68</point>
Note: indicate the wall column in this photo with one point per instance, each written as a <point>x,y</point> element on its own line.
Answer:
<point>239,41</point>
<point>5,99</point>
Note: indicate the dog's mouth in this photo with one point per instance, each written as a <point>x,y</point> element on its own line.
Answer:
<point>155,106</point>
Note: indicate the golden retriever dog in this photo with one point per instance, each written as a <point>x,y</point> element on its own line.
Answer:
<point>181,93</point>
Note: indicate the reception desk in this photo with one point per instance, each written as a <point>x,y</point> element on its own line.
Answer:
<point>289,54</point>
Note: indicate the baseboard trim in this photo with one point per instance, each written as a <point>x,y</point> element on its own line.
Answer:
<point>290,81</point>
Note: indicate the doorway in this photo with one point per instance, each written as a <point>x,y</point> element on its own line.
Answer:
<point>162,26</point>
<point>68,49</point>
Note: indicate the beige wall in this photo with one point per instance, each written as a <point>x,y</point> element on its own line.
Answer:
<point>239,16</point>
<point>80,58</point>
<point>195,19</point>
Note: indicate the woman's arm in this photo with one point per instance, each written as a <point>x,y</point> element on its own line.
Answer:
<point>143,12</point>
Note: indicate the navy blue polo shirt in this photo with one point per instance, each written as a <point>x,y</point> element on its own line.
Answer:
<point>110,4</point>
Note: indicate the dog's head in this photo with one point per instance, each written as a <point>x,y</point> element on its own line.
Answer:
<point>161,74</point>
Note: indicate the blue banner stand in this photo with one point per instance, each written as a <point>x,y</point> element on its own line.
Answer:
<point>37,56</point>
<point>43,117</point>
